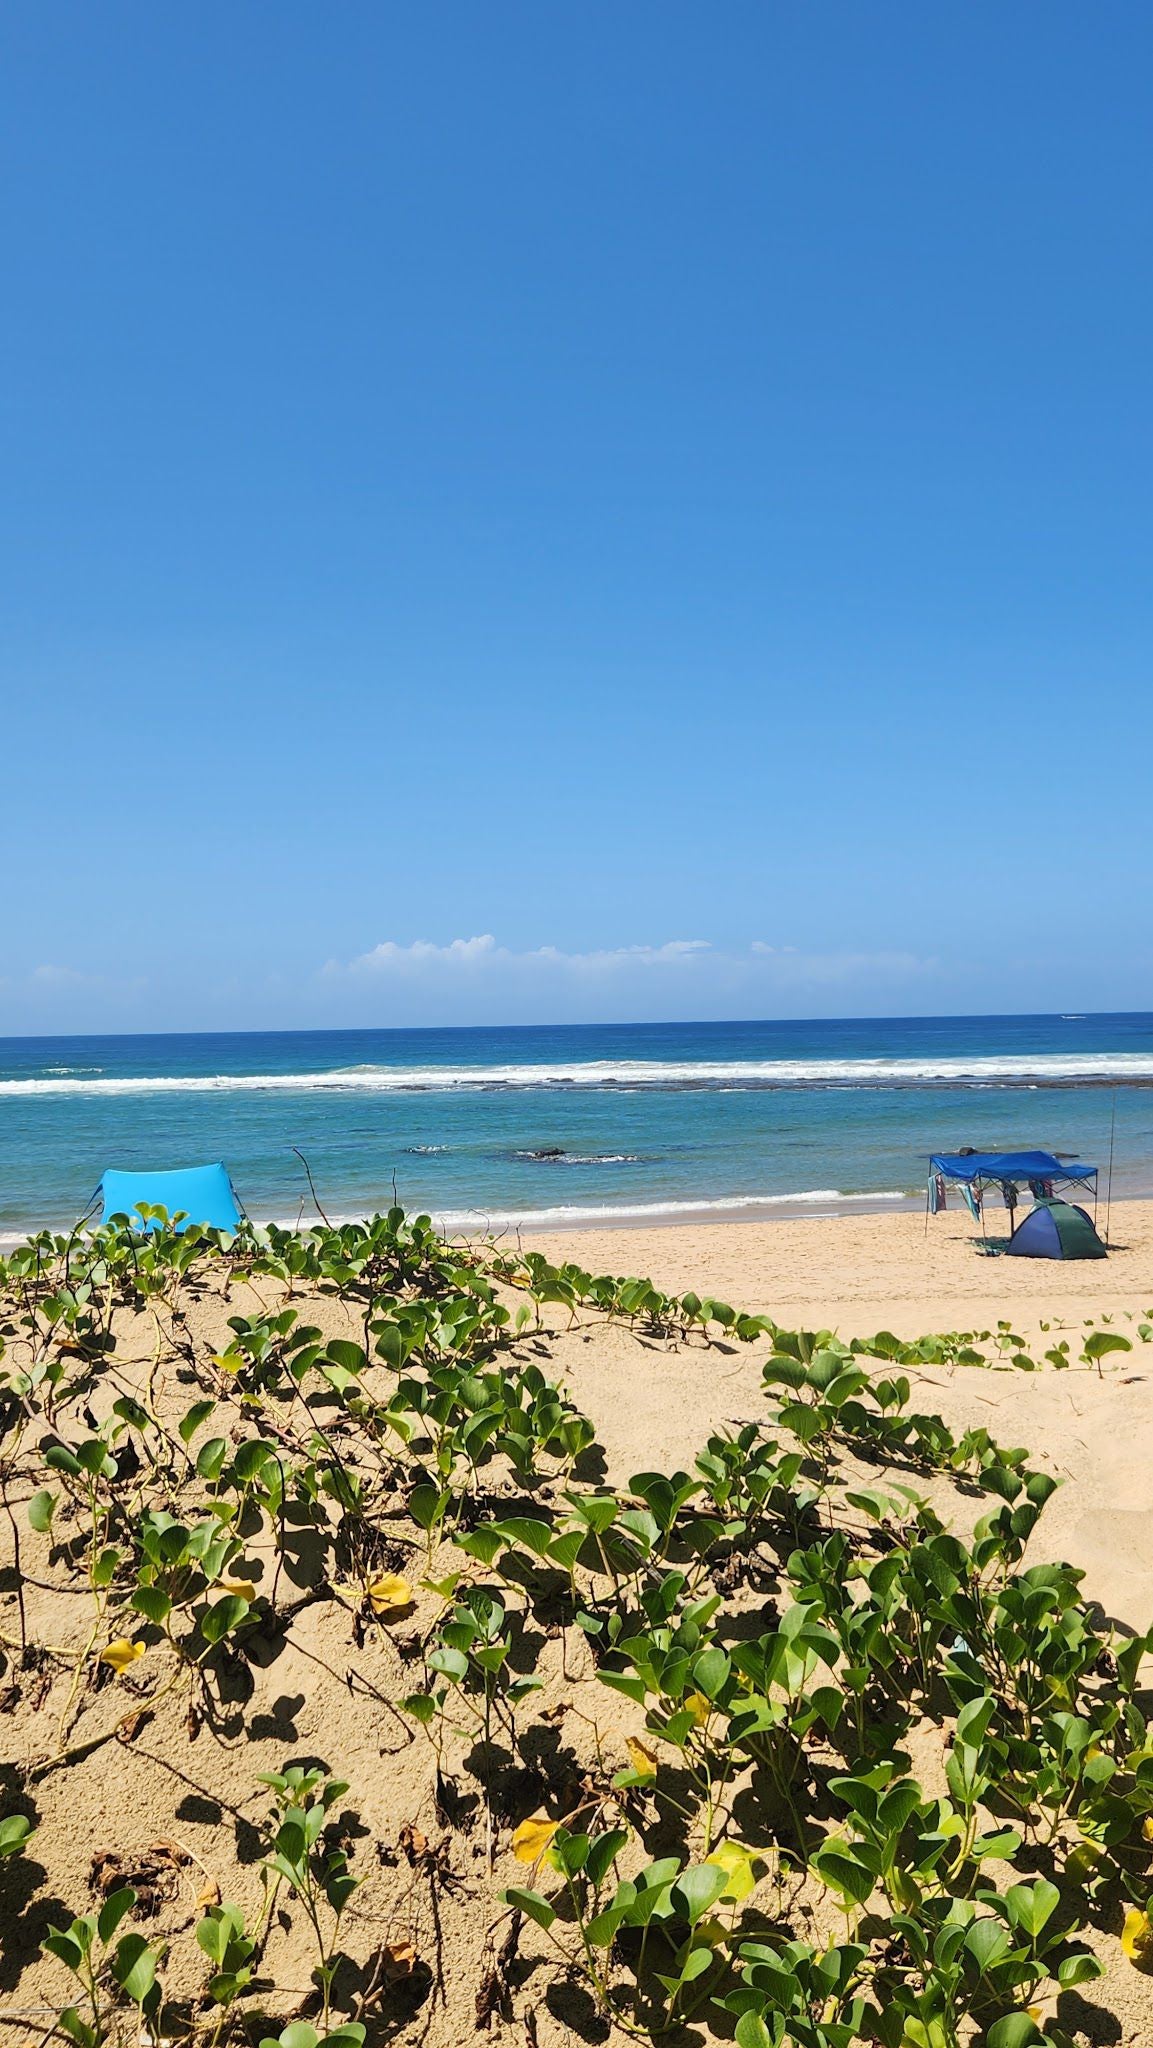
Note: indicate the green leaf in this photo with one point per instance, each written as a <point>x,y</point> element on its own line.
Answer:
<point>601,1931</point>
<point>426,1505</point>
<point>134,1967</point>
<point>602,1852</point>
<point>570,1851</point>
<point>65,1946</point>
<point>452,1663</point>
<point>41,1509</point>
<point>210,1458</point>
<point>696,1963</point>
<point>421,1706</point>
<point>623,1681</point>
<point>751,2032</point>
<point>696,1889</point>
<point>538,1909</point>
<point>987,1941</point>
<point>526,1533</point>
<point>1016,2030</point>
<point>484,1544</point>
<point>710,1672</point>
<point>222,1617</point>
<point>1101,1342</point>
<point>94,1459</point>
<point>842,1872</point>
<point>1032,1906</point>
<point>152,1602</point>
<point>297,2034</point>
<point>60,1459</point>
<point>349,1357</point>
<point>973,1720</point>
<point>566,1549</point>
<point>14,1832</point>
<point>113,1911</point>
<point>104,1566</point>
<point>77,2029</point>
<point>1079,1968</point>
<point>198,1413</point>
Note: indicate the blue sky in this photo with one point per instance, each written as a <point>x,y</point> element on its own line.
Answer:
<point>574,511</point>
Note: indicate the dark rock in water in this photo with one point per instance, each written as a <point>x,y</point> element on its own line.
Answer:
<point>548,1152</point>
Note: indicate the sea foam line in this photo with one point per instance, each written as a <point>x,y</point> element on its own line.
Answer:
<point>462,1220</point>
<point>1047,1068</point>
<point>483,1221</point>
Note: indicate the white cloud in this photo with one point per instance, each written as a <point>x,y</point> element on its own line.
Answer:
<point>50,976</point>
<point>481,962</point>
<point>483,954</point>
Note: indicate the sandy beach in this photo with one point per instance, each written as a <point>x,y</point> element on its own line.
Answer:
<point>862,1273</point>
<point>181,1821</point>
<point>859,1275</point>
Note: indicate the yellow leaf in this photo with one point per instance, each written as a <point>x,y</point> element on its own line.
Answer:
<point>122,1654</point>
<point>389,1593</point>
<point>737,1864</point>
<point>243,1588</point>
<point>1137,1939</point>
<point>228,1361</point>
<point>532,1838</point>
<point>641,1757</point>
<point>1147,1827</point>
<point>210,1896</point>
<point>698,1707</point>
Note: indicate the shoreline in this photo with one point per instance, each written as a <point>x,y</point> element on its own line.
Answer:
<point>577,1220</point>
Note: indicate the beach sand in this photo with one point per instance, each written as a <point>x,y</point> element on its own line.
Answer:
<point>861,1274</point>
<point>161,1792</point>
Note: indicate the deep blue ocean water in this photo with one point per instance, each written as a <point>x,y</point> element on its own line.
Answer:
<point>644,1121</point>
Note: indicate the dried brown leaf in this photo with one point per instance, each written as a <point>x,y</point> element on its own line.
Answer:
<point>399,1960</point>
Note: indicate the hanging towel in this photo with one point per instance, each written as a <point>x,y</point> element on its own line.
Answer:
<point>970,1201</point>
<point>937,1200</point>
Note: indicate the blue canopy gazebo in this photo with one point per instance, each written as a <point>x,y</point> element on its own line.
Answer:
<point>971,1172</point>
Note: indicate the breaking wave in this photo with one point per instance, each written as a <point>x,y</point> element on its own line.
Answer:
<point>1044,1070</point>
<point>631,1212</point>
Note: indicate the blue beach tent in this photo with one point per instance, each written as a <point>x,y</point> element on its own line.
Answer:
<point>204,1193</point>
<point>1056,1230</point>
<point>1053,1229</point>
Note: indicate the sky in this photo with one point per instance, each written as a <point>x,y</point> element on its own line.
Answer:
<point>529,513</point>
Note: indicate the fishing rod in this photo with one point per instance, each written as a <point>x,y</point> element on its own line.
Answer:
<point>1109,1176</point>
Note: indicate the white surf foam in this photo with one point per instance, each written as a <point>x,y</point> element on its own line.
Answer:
<point>1039,1069</point>
<point>481,1222</point>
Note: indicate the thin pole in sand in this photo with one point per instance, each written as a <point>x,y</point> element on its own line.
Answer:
<point>1109,1178</point>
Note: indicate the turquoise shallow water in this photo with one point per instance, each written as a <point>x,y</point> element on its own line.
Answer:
<point>640,1121</point>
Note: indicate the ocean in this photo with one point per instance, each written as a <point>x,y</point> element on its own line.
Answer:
<point>591,1124</point>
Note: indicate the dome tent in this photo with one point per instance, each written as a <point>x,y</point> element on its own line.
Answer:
<point>1055,1230</point>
